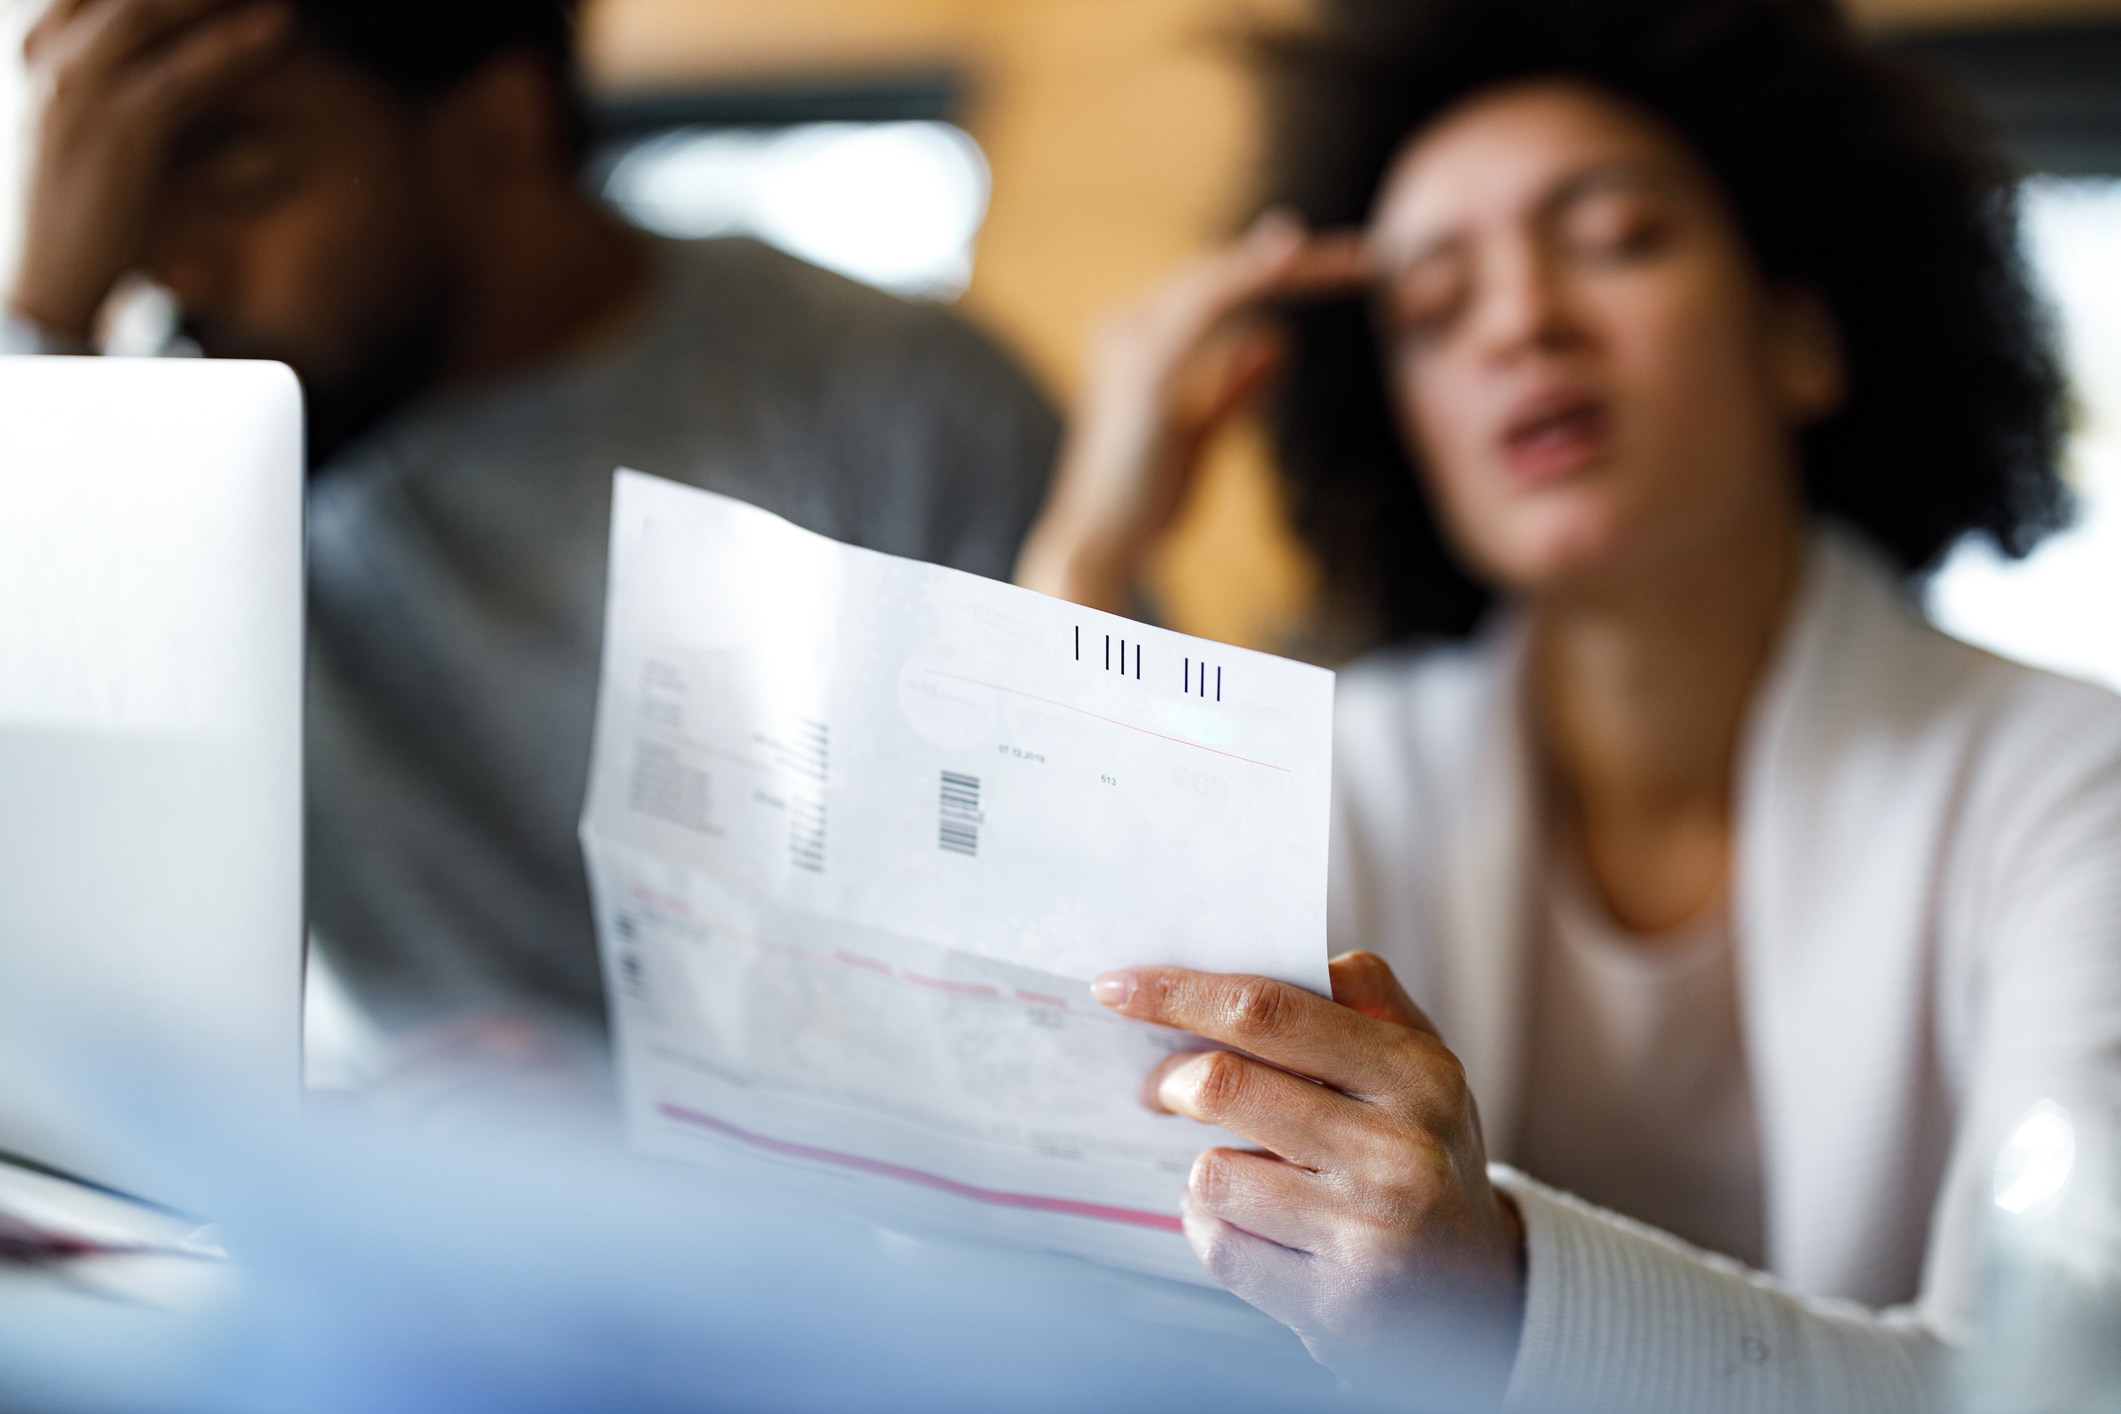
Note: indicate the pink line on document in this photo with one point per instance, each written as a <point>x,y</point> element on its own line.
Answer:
<point>970,989</point>
<point>869,964</point>
<point>671,902</point>
<point>1163,1222</point>
<point>1071,707</point>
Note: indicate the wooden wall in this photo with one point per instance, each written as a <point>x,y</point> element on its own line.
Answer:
<point>1121,135</point>
<point>1119,132</point>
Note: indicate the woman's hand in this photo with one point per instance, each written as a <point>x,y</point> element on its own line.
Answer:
<point>1368,1225</point>
<point>1164,376</point>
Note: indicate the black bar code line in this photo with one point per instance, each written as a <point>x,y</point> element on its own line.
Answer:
<point>1218,684</point>
<point>1189,675</point>
<point>806,835</point>
<point>958,816</point>
<point>1137,662</point>
<point>1078,643</point>
<point>1108,652</point>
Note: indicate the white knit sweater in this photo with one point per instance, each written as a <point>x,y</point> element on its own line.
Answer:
<point>1927,906</point>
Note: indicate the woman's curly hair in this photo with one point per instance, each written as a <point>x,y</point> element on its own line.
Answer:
<point>1849,172</point>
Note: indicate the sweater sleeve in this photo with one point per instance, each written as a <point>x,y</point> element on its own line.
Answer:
<point>1619,1316</point>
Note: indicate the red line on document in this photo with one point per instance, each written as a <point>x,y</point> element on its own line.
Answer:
<point>1103,1212</point>
<point>1071,707</point>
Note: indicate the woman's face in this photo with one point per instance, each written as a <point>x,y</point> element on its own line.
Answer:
<point>1592,372</point>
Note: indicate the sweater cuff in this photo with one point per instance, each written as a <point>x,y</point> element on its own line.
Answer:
<point>1619,1316</point>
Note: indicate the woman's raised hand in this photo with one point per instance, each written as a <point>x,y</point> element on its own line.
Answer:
<point>1365,1222</point>
<point>1164,376</point>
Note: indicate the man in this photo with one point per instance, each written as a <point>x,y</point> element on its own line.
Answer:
<point>384,194</point>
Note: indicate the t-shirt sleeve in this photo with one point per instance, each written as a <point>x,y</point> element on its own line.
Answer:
<point>956,417</point>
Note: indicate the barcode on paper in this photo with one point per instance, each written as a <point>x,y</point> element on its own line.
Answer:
<point>958,830</point>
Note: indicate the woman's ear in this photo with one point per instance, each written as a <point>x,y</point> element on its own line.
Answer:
<point>1806,359</point>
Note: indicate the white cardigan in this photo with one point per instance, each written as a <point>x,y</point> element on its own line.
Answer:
<point>1927,903</point>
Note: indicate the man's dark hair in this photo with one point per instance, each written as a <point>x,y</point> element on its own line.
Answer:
<point>424,48</point>
<point>1849,173</point>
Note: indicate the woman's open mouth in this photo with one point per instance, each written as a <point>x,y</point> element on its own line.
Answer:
<point>1555,435</point>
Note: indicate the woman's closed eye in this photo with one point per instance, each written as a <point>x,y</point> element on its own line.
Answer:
<point>1614,227</point>
<point>1423,300</point>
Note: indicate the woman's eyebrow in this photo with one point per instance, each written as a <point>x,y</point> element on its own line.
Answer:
<point>1620,174</point>
<point>1389,264</point>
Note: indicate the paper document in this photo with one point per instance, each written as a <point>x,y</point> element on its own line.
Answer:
<point>859,832</point>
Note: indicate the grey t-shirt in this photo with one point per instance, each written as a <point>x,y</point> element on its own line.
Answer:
<point>457,562</point>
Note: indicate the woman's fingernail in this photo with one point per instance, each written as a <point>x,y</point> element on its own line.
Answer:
<point>1114,989</point>
<point>1176,1086</point>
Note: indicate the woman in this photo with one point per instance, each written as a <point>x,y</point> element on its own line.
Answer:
<point>1745,903</point>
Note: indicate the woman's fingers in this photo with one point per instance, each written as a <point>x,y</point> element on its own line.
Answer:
<point>1306,1124</point>
<point>1252,355</point>
<point>1164,375</point>
<point>1285,1024</point>
<point>1263,1195</point>
<point>1270,1276</point>
<point>1363,981</point>
<point>1276,260</point>
<point>1372,1218</point>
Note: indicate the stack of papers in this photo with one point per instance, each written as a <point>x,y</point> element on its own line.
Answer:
<point>859,832</point>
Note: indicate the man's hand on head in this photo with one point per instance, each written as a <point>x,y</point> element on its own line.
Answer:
<point>114,82</point>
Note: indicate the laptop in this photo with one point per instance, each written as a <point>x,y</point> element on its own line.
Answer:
<point>151,611</point>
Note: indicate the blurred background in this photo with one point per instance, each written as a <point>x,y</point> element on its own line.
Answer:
<point>1039,161</point>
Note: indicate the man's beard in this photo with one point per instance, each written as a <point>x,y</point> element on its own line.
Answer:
<point>339,410</point>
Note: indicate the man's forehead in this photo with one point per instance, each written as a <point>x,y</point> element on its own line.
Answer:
<point>307,85</point>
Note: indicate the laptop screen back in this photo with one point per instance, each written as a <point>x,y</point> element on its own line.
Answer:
<point>150,744</point>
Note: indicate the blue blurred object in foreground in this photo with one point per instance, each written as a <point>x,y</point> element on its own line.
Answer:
<point>2050,1338</point>
<point>374,1270</point>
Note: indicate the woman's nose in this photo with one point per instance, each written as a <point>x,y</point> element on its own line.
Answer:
<point>1521,304</point>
